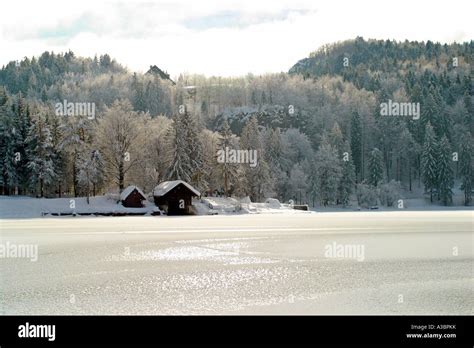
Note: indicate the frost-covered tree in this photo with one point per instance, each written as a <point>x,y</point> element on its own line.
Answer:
<point>356,143</point>
<point>14,126</point>
<point>76,133</point>
<point>153,169</point>
<point>258,179</point>
<point>389,193</point>
<point>9,139</point>
<point>347,181</point>
<point>429,161</point>
<point>60,158</point>
<point>336,139</point>
<point>408,150</point>
<point>194,148</point>
<point>90,166</point>
<point>466,170</point>
<point>185,157</point>
<point>228,171</point>
<point>375,167</point>
<point>445,178</point>
<point>40,152</point>
<point>295,148</point>
<point>366,195</point>
<point>179,163</point>
<point>120,134</point>
<point>328,173</point>
<point>298,184</point>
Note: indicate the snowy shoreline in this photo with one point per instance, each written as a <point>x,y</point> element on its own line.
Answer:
<point>27,207</point>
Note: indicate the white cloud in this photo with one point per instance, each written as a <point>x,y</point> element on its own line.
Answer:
<point>219,37</point>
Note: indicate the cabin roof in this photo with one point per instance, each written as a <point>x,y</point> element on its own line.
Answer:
<point>128,190</point>
<point>166,186</point>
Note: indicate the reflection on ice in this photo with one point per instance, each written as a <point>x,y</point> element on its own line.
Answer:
<point>226,253</point>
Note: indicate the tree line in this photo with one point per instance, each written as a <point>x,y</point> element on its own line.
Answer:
<point>318,130</point>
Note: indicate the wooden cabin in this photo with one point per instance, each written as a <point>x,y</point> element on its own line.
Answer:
<point>132,197</point>
<point>175,197</point>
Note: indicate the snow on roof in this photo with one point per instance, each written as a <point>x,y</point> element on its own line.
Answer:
<point>167,186</point>
<point>129,190</point>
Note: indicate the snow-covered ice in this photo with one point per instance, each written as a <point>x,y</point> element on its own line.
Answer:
<point>241,264</point>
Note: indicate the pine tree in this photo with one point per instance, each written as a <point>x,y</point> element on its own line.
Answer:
<point>408,151</point>
<point>10,139</point>
<point>40,153</point>
<point>466,167</point>
<point>429,161</point>
<point>328,173</point>
<point>445,172</point>
<point>60,156</point>
<point>228,171</point>
<point>347,181</point>
<point>375,167</point>
<point>138,94</point>
<point>469,116</point>
<point>179,162</point>
<point>356,144</point>
<point>431,111</point>
<point>194,149</point>
<point>74,134</point>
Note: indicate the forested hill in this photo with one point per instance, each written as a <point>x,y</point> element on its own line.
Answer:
<point>36,75</point>
<point>367,62</point>
<point>52,77</point>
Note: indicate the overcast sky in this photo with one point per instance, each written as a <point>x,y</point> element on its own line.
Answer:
<point>219,37</point>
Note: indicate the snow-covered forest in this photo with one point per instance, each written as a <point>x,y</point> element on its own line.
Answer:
<point>317,130</point>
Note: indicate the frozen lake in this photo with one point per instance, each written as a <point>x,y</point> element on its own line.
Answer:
<point>407,263</point>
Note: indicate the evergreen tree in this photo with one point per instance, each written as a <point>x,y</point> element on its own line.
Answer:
<point>9,143</point>
<point>72,142</point>
<point>375,167</point>
<point>22,112</point>
<point>138,94</point>
<point>328,173</point>
<point>40,153</point>
<point>408,150</point>
<point>346,184</point>
<point>179,162</point>
<point>356,144</point>
<point>445,172</point>
<point>429,161</point>
<point>228,171</point>
<point>194,150</point>
<point>431,111</point>
<point>466,167</point>
<point>60,156</point>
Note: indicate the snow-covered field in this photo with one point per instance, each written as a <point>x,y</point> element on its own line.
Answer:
<point>414,262</point>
